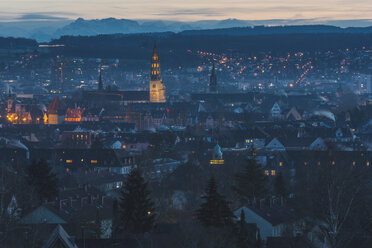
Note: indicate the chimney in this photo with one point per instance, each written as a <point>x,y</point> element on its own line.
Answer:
<point>103,200</point>
<point>254,202</point>
<point>86,187</point>
<point>262,201</point>
<point>271,202</point>
<point>60,204</point>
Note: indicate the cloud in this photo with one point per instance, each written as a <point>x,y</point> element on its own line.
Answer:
<point>45,16</point>
<point>191,12</point>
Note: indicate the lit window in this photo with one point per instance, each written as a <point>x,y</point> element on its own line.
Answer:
<point>280,163</point>
<point>266,172</point>
<point>68,161</point>
<point>368,163</point>
<point>93,161</point>
<point>273,172</point>
<point>333,163</point>
<point>353,162</point>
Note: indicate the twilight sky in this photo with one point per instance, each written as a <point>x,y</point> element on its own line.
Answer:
<point>186,10</point>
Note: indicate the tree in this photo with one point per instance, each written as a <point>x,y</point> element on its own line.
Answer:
<point>251,182</point>
<point>242,239</point>
<point>214,211</point>
<point>279,185</point>
<point>335,197</point>
<point>136,210</point>
<point>43,180</point>
<point>115,219</point>
<point>246,237</point>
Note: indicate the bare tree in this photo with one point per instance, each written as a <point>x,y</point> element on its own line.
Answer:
<point>332,200</point>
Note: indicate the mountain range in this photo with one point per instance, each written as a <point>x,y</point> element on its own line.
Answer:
<point>43,31</point>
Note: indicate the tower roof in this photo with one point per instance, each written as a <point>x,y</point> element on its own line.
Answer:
<point>100,82</point>
<point>155,51</point>
<point>155,56</point>
<point>155,65</point>
<point>213,80</point>
<point>55,106</point>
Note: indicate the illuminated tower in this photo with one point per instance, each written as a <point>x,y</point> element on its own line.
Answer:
<point>213,80</point>
<point>157,89</point>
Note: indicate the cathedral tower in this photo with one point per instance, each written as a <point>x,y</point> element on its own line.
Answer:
<point>157,89</point>
<point>10,102</point>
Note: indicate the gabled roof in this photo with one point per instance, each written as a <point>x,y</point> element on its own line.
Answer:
<point>59,238</point>
<point>42,215</point>
<point>275,144</point>
<point>294,113</point>
<point>275,215</point>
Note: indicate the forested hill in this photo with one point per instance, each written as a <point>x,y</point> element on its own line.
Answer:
<point>176,46</point>
<point>17,43</point>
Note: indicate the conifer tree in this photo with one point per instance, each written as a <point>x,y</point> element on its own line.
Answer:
<point>115,219</point>
<point>214,211</point>
<point>136,210</point>
<point>246,237</point>
<point>242,239</point>
<point>43,180</point>
<point>251,182</point>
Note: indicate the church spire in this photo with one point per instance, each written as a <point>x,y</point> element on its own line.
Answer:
<point>155,50</point>
<point>213,80</point>
<point>155,65</point>
<point>100,82</point>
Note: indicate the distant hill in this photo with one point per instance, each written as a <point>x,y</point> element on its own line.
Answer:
<point>125,26</point>
<point>44,31</point>
<point>225,27</point>
<point>262,30</point>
